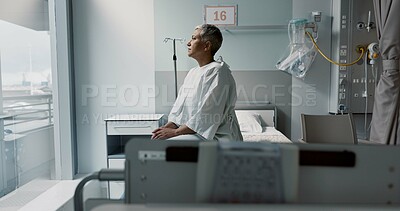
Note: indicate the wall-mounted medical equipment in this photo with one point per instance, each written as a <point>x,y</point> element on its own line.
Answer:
<point>300,52</point>
<point>353,30</point>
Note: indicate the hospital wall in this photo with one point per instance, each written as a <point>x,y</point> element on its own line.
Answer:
<point>122,64</point>
<point>311,95</point>
<point>114,69</point>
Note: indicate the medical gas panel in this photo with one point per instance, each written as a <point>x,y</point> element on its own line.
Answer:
<point>353,29</point>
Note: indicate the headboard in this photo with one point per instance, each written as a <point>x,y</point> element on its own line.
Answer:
<point>266,110</point>
<point>267,116</point>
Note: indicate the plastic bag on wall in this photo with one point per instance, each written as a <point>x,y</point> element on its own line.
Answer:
<point>297,60</point>
<point>300,53</point>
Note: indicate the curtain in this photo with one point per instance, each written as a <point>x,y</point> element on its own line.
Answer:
<point>385,126</point>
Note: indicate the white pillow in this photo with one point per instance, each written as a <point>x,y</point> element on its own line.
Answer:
<point>249,122</point>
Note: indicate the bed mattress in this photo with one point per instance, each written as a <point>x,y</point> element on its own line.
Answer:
<point>269,134</point>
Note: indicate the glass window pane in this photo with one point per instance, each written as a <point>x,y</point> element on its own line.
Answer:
<point>27,146</point>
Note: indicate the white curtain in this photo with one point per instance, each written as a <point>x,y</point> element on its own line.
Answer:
<point>385,126</point>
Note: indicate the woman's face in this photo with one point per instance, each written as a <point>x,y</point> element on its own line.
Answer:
<point>196,47</point>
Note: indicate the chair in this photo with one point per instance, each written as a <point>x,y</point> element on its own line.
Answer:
<point>337,129</point>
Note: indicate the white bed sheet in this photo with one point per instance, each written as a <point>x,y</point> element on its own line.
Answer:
<point>269,134</point>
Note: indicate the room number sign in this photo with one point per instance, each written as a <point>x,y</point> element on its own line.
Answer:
<point>220,15</point>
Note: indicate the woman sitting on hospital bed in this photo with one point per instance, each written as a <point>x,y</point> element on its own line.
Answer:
<point>205,106</point>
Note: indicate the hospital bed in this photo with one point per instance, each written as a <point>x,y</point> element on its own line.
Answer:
<point>258,123</point>
<point>187,174</point>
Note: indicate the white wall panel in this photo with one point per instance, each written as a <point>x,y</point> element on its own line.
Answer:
<point>114,69</point>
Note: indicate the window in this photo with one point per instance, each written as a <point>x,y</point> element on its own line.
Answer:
<point>26,123</point>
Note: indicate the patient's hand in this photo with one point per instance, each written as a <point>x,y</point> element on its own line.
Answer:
<point>171,130</point>
<point>164,133</point>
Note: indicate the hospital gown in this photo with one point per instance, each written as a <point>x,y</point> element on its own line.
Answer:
<point>206,103</point>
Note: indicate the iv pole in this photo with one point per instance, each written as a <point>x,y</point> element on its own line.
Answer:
<point>174,58</point>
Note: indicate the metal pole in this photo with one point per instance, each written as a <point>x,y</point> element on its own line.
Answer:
<point>175,70</point>
<point>174,58</point>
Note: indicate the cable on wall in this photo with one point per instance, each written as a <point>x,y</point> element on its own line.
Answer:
<point>361,49</point>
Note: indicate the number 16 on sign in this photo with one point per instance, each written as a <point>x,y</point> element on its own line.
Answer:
<point>220,15</point>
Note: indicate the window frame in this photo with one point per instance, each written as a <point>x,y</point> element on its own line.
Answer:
<point>60,20</point>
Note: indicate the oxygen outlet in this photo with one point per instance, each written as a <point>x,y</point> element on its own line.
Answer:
<point>360,49</point>
<point>342,108</point>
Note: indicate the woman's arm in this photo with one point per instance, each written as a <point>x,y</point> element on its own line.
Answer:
<point>183,130</point>
<point>170,125</point>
